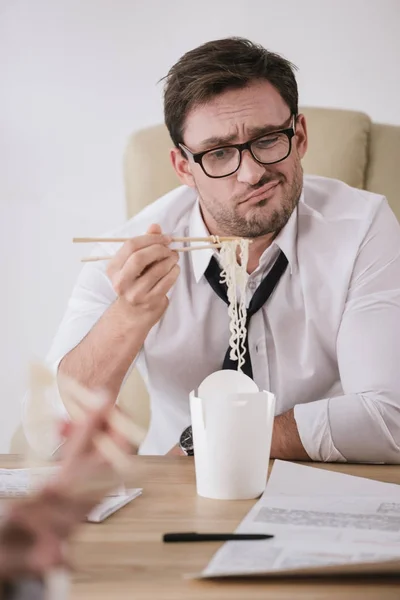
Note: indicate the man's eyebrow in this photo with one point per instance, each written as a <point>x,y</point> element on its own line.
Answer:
<point>253,132</point>
<point>257,131</point>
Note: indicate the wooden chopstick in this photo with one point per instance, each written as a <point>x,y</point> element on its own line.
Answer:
<point>190,248</point>
<point>212,238</point>
<point>184,249</point>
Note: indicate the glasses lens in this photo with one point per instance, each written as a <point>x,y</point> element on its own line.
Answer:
<point>271,148</point>
<point>221,161</point>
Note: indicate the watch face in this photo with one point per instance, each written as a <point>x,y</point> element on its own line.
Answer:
<point>186,441</point>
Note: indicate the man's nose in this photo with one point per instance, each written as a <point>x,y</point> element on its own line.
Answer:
<point>250,171</point>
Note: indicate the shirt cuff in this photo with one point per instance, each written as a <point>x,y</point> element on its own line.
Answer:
<point>314,430</point>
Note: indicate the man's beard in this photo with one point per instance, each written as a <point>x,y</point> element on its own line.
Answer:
<point>257,224</point>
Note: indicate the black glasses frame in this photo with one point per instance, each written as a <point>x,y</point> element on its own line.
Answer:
<point>197,157</point>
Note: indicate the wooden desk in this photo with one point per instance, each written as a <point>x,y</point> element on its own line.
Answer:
<point>124,558</point>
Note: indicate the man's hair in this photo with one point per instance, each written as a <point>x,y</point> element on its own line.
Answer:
<point>213,68</point>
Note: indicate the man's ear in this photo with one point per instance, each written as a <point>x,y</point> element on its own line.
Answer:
<point>301,139</point>
<point>182,167</point>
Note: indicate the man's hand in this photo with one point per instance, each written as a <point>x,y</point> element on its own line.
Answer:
<point>142,273</point>
<point>286,442</point>
<point>176,451</point>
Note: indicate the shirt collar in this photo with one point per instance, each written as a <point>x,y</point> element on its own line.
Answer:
<point>286,240</point>
<point>197,228</point>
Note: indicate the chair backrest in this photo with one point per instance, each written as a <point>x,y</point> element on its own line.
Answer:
<point>383,172</point>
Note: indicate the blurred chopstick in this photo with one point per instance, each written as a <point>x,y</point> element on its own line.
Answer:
<point>80,400</point>
<point>120,421</point>
<point>212,238</point>
<point>105,445</point>
<point>185,249</point>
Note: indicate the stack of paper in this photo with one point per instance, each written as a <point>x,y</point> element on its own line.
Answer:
<point>16,483</point>
<point>322,522</point>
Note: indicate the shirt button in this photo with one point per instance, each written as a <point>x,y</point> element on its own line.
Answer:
<point>252,284</point>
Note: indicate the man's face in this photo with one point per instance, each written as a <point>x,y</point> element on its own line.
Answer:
<point>238,116</point>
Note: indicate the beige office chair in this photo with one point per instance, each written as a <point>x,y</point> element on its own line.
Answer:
<point>342,144</point>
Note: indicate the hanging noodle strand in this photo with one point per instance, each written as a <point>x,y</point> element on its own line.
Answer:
<point>234,275</point>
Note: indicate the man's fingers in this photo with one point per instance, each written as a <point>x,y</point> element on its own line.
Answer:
<point>138,264</point>
<point>66,428</point>
<point>165,284</point>
<point>157,271</point>
<point>176,451</point>
<point>137,294</point>
<point>154,228</point>
<point>134,245</point>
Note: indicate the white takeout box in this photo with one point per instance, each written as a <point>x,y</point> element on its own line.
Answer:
<point>232,424</point>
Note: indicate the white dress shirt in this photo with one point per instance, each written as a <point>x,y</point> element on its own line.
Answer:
<point>326,343</point>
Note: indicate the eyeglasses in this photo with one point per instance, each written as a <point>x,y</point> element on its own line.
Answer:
<point>225,160</point>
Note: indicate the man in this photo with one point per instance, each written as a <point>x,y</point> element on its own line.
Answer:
<point>33,531</point>
<point>325,341</point>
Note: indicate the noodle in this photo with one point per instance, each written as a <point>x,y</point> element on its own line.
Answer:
<point>235,276</point>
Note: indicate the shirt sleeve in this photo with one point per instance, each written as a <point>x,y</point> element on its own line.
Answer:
<point>91,297</point>
<point>363,424</point>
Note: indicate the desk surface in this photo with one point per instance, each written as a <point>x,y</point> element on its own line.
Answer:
<point>124,557</point>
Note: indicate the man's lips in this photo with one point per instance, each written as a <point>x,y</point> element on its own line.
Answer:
<point>259,194</point>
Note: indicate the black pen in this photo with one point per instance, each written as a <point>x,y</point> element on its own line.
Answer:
<point>192,536</point>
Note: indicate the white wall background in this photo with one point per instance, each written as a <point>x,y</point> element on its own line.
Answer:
<point>77,76</point>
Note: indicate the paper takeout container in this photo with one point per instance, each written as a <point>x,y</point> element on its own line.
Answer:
<point>232,424</point>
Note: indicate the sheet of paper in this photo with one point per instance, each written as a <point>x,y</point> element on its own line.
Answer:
<point>15,483</point>
<point>346,519</point>
<point>273,557</point>
<point>18,482</point>
<point>319,519</point>
<point>111,504</point>
<point>291,479</point>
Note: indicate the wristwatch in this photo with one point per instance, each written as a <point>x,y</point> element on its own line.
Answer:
<point>186,441</point>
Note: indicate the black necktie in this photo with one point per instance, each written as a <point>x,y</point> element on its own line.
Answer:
<point>260,297</point>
